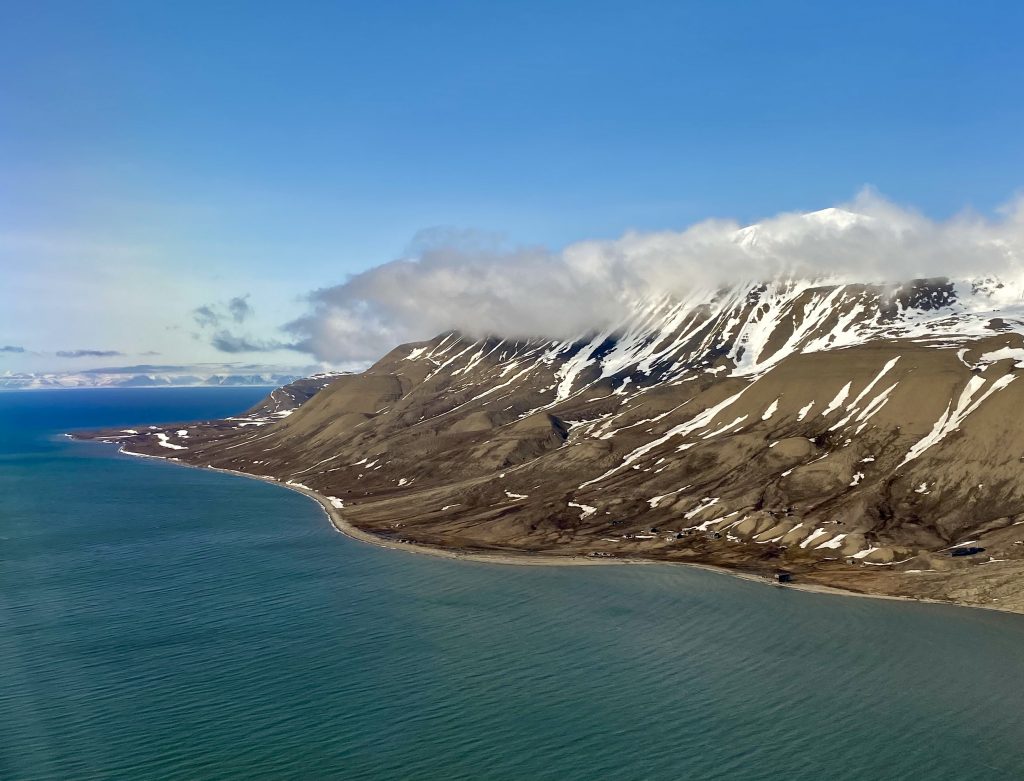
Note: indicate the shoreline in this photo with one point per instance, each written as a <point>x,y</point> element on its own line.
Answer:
<point>342,526</point>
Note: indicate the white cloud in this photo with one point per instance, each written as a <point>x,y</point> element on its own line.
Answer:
<point>592,284</point>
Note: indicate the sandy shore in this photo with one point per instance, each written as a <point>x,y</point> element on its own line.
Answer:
<point>342,526</point>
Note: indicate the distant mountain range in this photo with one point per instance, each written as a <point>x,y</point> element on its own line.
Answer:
<point>151,376</point>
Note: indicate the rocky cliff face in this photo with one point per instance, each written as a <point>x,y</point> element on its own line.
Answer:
<point>852,434</point>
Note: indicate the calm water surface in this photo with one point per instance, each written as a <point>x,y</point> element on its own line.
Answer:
<point>162,622</point>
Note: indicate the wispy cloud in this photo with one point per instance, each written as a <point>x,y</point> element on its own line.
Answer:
<point>239,308</point>
<point>88,353</point>
<point>215,316</point>
<point>69,245</point>
<point>236,309</point>
<point>473,287</point>
<point>206,315</point>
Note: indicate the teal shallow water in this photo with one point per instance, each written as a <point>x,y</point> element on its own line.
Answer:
<point>162,622</point>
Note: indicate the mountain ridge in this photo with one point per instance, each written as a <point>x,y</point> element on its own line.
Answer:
<point>852,435</point>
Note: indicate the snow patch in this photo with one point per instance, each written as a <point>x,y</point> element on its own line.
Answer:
<point>838,400</point>
<point>864,553</point>
<point>819,532</point>
<point>586,510</point>
<point>950,421</point>
<point>704,504</point>
<point>835,543</point>
<point>164,441</point>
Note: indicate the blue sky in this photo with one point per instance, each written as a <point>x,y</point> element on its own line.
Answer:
<point>156,157</point>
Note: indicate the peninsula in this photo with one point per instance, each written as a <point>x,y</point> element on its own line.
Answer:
<point>858,437</point>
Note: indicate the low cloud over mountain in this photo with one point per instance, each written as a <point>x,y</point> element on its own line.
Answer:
<point>453,284</point>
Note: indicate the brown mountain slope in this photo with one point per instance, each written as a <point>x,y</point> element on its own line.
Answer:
<point>840,434</point>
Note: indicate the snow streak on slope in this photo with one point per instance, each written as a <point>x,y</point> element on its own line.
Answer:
<point>741,332</point>
<point>950,420</point>
<point>748,329</point>
<point>697,422</point>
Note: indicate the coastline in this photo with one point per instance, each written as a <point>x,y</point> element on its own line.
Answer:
<point>342,526</point>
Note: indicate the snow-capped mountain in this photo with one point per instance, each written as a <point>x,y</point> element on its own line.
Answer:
<point>856,434</point>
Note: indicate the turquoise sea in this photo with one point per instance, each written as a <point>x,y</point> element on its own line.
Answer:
<point>158,622</point>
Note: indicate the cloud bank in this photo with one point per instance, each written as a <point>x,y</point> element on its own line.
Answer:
<point>523,293</point>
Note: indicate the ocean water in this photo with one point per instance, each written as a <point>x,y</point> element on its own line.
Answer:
<point>159,622</point>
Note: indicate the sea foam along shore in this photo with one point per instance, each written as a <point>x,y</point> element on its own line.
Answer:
<point>341,525</point>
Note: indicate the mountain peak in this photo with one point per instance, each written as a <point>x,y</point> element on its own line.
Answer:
<point>834,216</point>
<point>789,226</point>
